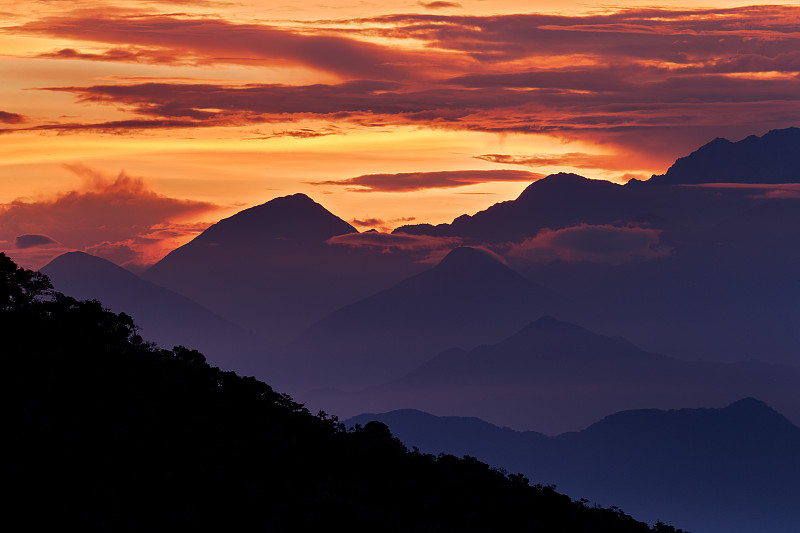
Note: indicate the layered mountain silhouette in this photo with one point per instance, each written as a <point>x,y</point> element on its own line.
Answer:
<point>711,276</point>
<point>566,200</point>
<point>729,470</point>
<point>772,158</point>
<point>106,432</point>
<point>469,298</point>
<point>270,270</point>
<point>163,316</point>
<point>554,376</point>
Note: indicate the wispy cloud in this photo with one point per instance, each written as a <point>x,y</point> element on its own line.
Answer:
<point>416,181</point>
<point>592,243</point>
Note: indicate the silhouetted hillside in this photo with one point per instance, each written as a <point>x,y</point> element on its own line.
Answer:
<point>164,317</point>
<point>469,298</point>
<point>730,470</point>
<point>104,432</point>
<point>772,158</point>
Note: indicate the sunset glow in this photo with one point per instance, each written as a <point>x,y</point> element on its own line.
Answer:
<point>130,126</point>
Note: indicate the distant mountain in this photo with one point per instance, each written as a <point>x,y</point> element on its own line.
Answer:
<point>711,276</point>
<point>566,200</point>
<point>283,221</point>
<point>730,470</point>
<point>772,158</point>
<point>270,270</point>
<point>469,298</point>
<point>553,376</point>
<point>164,317</point>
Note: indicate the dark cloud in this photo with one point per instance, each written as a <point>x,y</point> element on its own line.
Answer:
<point>439,4</point>
<point>592,243</point>
<point>388,242</point>
<point>653,81</point>
<point>127,55</point>
<point>415,181</point>
<point>11,118</point>
<point>367,222</point>
<point>218,41</point>
<point>301,133</point>
<point>571,159</point>
<point>784,191</point>
<point>380,224</point>
<point>30,241</point>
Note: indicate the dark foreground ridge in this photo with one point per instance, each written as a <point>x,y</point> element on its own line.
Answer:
<point>105,432</point>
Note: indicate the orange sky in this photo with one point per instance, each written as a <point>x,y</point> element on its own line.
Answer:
<point>129,126</point>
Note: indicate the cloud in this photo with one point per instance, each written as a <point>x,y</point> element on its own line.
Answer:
<point>656,82</point>
<point>106,211</point>
<point>592,243</point>
<point>378,224</point>
<point>415,181</point>
<point>389,242</point>
<point>776,191</point>
<point>300,133</point>
<point>31,241</point>
<point>127,55</point>
<point>11,118</point>
<point>367,222</point>
<point>209,40</point>
<point>571,159</point>
<point>439,4</point>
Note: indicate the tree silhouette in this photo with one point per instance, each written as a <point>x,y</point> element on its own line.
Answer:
<point>106,432</point>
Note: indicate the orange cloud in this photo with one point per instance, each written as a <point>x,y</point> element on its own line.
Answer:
<point>106,212</point>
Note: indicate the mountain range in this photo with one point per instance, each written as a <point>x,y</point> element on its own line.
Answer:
<point>469,298</point>
<point>269,268</point>
<point>729,470</point>
<point>555,376</point>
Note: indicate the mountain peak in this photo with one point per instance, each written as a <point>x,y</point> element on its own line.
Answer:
<point>771,158</point>
<point>77,261</point>
<point>469,257</point>
<point>565,183</point>
<point>752,408</point>
<point>294,217</point>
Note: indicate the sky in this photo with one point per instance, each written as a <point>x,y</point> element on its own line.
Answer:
<point>127,127</point>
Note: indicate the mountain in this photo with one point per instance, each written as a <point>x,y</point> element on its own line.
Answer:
<point>104,432</point>
<point>567,200</point>
<point>554,376</point>
<point>649,259</point>
<point>469,298</point>
<point>772,158</point>
<point>729,470</point>
<point>163,316</point>
<point>289,219</point>
<point>270,269</point>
